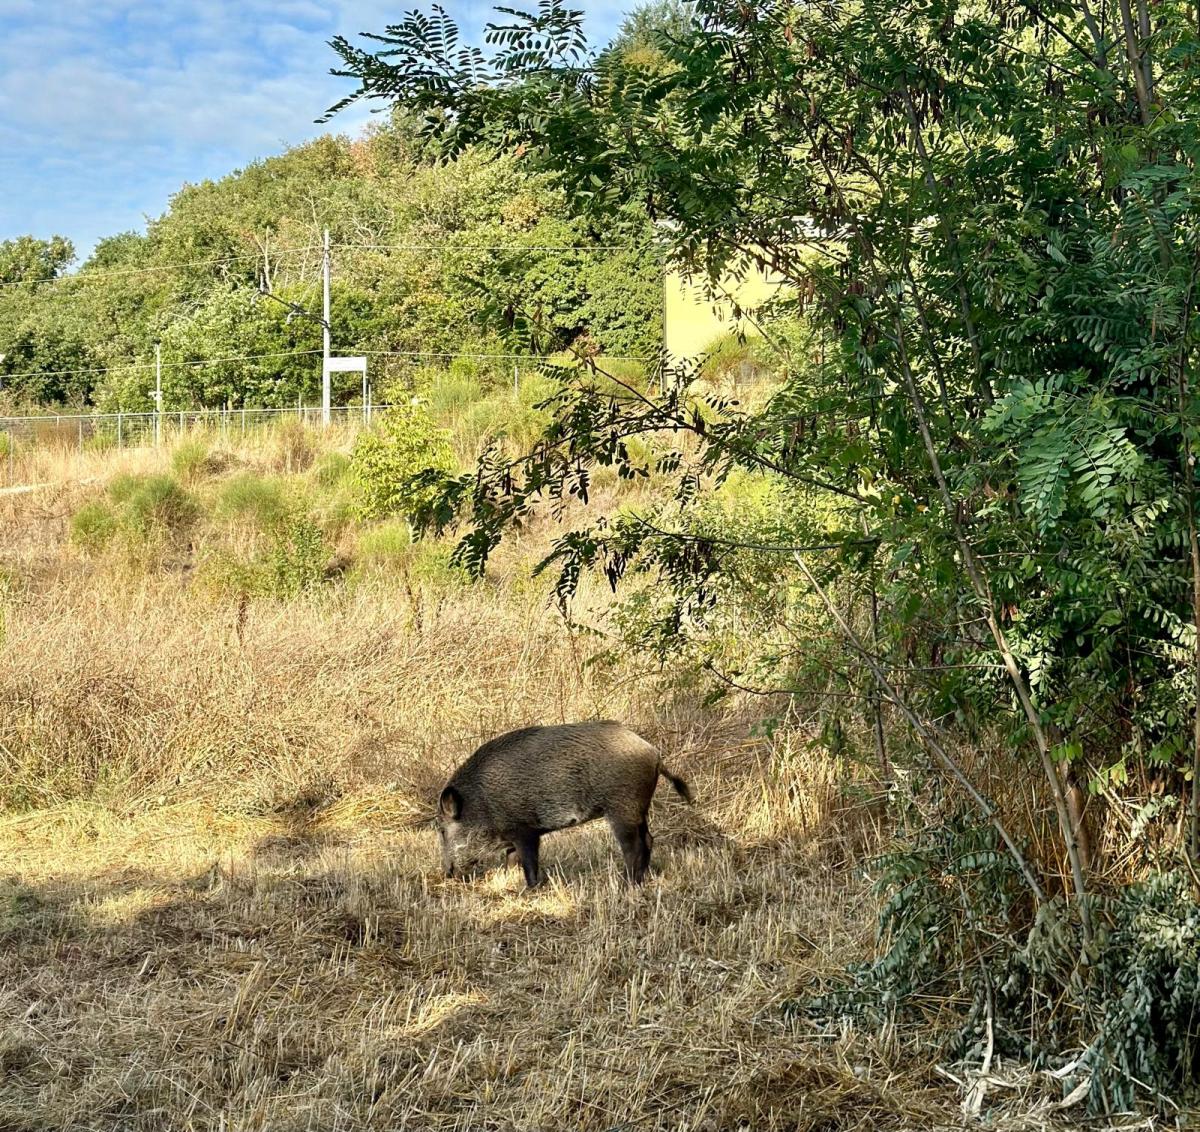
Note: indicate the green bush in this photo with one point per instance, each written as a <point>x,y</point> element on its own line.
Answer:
<point>388,550</point>
<point>291,560</point>
<point>258,500</point>
<point>503,417</point>
<point>388,461</point>
<point>957,926</point>
<point>93,527</point>
<point>143,513</point>
<point>192,460</point>
<point>739,360</point>
<point>385,547</point>
<point>160,504</point>
<point>152,505</point>
<point>332,469</point>
<point>433,563</point>
<point>298,557</point>
<point>122,486</point>
<point>101,441</point>
<point>449,394</point>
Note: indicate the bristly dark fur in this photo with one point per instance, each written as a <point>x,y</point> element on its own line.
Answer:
<point>527,783</point>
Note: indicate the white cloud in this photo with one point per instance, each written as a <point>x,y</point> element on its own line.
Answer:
<point>107,107</point>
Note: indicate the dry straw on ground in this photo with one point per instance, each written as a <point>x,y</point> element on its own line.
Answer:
<point>220,907</point>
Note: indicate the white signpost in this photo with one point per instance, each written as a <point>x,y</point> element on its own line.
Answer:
<point>341,365</point>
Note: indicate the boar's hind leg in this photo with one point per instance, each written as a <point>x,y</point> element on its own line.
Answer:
<point>525,851</point>
<point>635,842</point>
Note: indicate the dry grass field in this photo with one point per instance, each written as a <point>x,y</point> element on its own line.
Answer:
<point>221,907</point>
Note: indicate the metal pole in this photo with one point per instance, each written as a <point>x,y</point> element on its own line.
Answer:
<point>120,431</point>
<point>326,398</point>
<point>157,394</point>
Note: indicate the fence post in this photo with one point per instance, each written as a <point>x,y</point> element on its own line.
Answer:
<point>120,431</point>
<point>12,443</point>
<point>81,435</point>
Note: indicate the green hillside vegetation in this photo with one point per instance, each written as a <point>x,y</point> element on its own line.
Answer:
<point>454,258</point>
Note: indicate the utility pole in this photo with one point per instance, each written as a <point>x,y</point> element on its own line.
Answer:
<point>326,393</point>
<point>296,310</point>
<point>157,394</point>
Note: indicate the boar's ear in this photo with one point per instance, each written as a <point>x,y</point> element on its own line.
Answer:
<point>450,803</point>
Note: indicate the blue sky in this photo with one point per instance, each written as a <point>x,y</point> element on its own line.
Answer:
<point>107,108</point>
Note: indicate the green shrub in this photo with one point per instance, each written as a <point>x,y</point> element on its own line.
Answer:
<point>143,513</point>
<point>386,546</point>
<point>293,559</point>
<point>505,417</point>
<point>192,460</point>
<point>332,469</point>
<point>260,501</point>
<point>286,553</point>
<point>433,563</point>
<point>152,505</point>
<point>160,504</point>
<point>388,461</point>
<point>93,527</point>
<point>448,395</point>
<point>739,360</point>
<point>298,557</point>
<point>389,550</point>
<point>122,486</point>
<point>957,926</point>
<point>102,441</point>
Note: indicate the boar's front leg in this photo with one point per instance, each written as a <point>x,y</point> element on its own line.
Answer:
<point>525,849</point>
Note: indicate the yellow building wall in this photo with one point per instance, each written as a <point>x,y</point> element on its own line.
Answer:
<point>692,322</point>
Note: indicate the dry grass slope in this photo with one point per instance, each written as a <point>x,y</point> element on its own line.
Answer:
<point>220,905</point>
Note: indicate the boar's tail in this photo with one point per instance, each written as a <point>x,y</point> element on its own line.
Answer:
<point>681,787</point>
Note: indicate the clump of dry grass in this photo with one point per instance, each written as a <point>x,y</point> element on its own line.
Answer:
<point>138,691</point>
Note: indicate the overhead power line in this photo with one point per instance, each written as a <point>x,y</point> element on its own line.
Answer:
<point>481,357</point>
<point>493,247</point>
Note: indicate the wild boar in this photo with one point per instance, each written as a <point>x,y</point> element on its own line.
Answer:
<point>527,783</point>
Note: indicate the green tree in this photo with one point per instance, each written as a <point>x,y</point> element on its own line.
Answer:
<point>30,260</point>
<point>988,215</point>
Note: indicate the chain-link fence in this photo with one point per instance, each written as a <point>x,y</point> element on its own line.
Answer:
<point>104,431</point>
